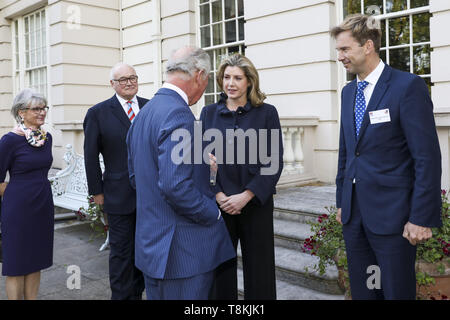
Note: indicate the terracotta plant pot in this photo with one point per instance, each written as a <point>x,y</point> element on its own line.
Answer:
<point>441,289</point>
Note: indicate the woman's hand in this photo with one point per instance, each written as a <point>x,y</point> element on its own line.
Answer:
<point>234,204</point>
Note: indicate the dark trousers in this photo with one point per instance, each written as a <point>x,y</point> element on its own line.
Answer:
<point>254,228</point>
<point>127,282</point>
<point>193,288</point>
<point>393,254</point>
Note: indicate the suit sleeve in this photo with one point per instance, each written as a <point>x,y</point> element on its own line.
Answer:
<point>265,179</point>
<point>417,121</point>
<point>342,158</point>
<point>92,147</point>
<point>176,179</point>
<point>6,158</point>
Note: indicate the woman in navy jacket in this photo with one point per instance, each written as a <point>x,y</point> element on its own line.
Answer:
<point>245,187</point>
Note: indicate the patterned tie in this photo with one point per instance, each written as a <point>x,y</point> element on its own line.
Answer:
<point>360,106</point>
<point>130,112</point>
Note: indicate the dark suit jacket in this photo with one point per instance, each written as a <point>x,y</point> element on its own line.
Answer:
<point>105,129</point>
<point>396,164</point>
<point>178,233</point>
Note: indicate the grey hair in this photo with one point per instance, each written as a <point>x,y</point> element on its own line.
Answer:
<point>117,66</point>
<point>24,99</point>
<point>195,59</point>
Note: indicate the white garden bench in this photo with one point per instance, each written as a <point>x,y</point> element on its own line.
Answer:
<point>69,186</point>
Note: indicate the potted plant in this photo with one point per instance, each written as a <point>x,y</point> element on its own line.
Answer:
<point>432,261</point>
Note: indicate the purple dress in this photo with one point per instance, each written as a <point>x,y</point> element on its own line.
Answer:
<point>27,212</point>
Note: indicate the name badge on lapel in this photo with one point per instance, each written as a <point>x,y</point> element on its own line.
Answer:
<point>379,116</point>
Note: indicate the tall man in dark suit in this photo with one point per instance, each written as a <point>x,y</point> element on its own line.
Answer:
<point>105,128</point>
<point>180,236</point>
<point>389,167</point>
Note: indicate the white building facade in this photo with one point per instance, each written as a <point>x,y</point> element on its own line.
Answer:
<point>65,49</point>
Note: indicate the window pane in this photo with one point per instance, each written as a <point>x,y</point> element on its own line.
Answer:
<point>399,58</point>
<point>240,8</point>
<point>419,3</point>
<point>383,33</point>
<point>232,50</point>
<point>395,5</point>
<point>230,9</point>
<point>209,99</point>
<point>217,34</point>
<point>210,87</point>
<point>421,27</point>
<point>351,7</point>
<point>373,7</point>
<point>241,29</point>
<point>383,55</point>
<point>398,31</point>
<point>220,55</point>
<point>217,11</point>
<point>230,31</point>
<point>204,14</point>
<point>422,60</point>
<point>205,37</point>
<point>203,1</point>
<point>211,58</point>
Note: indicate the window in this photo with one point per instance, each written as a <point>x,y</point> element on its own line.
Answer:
<point>405,26</point>
<point>30,52</point>
<point>221,33</point>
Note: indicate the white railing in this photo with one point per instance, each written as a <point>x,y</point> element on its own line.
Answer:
<point>298,141</point>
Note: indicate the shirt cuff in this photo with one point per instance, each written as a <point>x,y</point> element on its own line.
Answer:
<point>220,213</point>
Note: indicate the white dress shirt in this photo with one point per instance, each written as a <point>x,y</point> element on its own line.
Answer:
<point>177,90</point>
<point>372,79</point>
<point>124,104</point>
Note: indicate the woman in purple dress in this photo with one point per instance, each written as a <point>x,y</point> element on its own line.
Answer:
<point>27,212</point>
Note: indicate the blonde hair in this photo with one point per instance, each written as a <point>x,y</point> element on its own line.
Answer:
<point>254,94</point>
<point>362,27</point>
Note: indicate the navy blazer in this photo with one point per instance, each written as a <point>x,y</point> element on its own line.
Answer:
<point>235,178</point>
<point>105,130</point>
<point>178,230</point>
<point>396,164</point>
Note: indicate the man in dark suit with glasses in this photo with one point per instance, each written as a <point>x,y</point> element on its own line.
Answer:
<point>105,128</point>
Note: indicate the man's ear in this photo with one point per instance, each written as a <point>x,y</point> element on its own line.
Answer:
<point>369,45</point>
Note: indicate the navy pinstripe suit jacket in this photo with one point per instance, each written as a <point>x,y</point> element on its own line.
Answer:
<point>178,233</point>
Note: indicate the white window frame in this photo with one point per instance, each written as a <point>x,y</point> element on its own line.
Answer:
<point>404,13</point>
<point>20,74</point>
<point>213,48</point>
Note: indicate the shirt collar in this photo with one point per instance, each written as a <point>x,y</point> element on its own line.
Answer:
<point>173,87</point>
<point>373,77</point>
<point>122,101</point>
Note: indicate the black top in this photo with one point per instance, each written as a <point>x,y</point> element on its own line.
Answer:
<point>251,163</point>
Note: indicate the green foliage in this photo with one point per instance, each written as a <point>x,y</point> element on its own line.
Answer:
<point>94,214</point>
<point>327,243</point>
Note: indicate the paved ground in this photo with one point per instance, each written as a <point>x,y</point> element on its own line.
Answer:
<point>75,244</point>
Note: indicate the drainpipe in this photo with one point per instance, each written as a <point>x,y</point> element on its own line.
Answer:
<point>156,43</point>
<point>120,30</point>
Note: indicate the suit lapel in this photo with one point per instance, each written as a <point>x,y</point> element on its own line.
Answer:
<point>349,104</point>
<point>378,93</point>
<point>117,110</point>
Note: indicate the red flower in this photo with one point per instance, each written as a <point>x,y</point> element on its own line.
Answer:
<point>444,297</point>
<point>106,227</point>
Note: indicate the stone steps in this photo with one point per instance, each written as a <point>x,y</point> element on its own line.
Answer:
<point>296,279</point>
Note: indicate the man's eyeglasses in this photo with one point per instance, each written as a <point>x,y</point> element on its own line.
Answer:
<point>123,81</point>
<point>38,110</point>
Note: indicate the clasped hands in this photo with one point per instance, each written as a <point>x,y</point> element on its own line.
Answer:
<point>413,233</point>
<point>234,203</point>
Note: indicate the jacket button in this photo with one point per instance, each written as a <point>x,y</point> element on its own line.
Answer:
<point>357,153</point>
